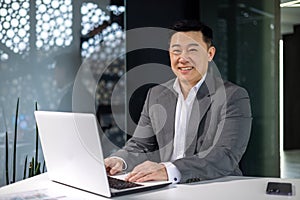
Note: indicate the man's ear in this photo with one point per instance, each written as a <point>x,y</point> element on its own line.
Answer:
<point>211,53</point>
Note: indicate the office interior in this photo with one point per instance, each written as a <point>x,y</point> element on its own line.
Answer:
<point>257,44</point>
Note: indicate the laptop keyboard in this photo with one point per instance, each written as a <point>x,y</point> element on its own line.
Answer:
<point>121,184</point>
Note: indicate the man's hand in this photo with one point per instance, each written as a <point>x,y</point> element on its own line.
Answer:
<point>148,171</point>
<point>113,165</point>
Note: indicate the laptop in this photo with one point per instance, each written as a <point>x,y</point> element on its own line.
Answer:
<point>74,157</point>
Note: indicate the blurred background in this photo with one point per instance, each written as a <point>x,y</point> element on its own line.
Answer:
<point>45,45</point>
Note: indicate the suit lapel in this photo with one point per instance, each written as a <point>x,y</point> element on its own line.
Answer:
<point>166,136</point>
<point>200,107</point>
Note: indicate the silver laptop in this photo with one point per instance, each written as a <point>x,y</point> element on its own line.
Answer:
<point>73,153</point>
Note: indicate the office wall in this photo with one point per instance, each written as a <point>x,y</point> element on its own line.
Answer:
<point>154,13</point>
<point>291,60</point>
<point>247,38</point>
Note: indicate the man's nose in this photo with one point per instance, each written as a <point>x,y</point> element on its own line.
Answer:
<point>183,58</point>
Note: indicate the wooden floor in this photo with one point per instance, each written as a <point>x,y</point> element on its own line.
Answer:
<point>290,164</point>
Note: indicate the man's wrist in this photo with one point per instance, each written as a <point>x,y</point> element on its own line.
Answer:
<point>124,167</point>
<point>173,173</point>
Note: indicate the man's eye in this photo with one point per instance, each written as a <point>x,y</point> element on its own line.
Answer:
<point>193,50</point>
<point>176,51</point>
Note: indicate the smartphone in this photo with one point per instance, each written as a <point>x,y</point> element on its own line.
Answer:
<point>278,188</point>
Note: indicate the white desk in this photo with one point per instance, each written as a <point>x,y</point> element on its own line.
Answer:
<point>231,188</point>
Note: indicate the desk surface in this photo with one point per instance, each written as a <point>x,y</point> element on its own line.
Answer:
<point>246,188</point>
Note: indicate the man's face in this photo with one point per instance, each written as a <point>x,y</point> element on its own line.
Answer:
<point>189,56</point>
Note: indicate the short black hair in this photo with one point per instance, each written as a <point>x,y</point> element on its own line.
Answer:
<point>193,25</point>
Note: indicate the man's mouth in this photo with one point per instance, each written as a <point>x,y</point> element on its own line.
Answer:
<point>185,68</point>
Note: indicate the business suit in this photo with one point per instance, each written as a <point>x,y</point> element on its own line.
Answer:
<point>217,135</point>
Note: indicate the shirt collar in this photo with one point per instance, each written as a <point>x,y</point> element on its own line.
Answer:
<point>176,85</point>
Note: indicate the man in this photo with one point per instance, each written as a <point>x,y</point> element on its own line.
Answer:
<point>192,128</point>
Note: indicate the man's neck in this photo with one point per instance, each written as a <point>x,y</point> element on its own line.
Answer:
<point>186,88</point>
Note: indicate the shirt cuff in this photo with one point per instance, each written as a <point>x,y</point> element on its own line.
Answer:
<point>173,173</point>
<point>124,163</point>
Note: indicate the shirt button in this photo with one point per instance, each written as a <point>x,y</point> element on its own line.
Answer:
<point>175,179</point>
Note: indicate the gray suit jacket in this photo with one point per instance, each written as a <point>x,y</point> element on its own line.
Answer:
<point>217,135</point>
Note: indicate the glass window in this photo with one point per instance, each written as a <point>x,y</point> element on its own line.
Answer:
<point>247,39</point>
<point>53,52</point>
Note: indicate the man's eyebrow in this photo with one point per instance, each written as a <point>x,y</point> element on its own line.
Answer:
<point>189,45</point>
<point>193,44</point>
<point>175,45</point>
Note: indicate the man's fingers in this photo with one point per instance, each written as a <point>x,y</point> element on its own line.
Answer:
<point>116,168</point>
<point>113,165</point>
<point>132,177</point>
<point>147,171</point>
<point>142,177</point>
<point>149,177</point>
<point>138,172</point>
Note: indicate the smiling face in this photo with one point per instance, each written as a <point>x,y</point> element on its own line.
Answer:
<point>189,56</point>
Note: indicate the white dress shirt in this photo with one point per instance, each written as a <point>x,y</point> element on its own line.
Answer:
<point>182,117</point>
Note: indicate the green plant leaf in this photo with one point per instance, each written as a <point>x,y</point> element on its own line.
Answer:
<point>6,158</point>
<point>31,168</point>
<point>15,142</point>
<point>37,169</point>
<point>25,168</point>
<point>36,141</point>
<point>44,166</point>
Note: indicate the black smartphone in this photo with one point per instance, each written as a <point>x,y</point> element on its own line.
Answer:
<point>279,188</point>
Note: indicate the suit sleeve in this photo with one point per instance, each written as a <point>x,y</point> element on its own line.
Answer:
<point>223,144</point>
<point>143,145</point>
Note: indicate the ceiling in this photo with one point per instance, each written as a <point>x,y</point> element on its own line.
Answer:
<point>290,16</point>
